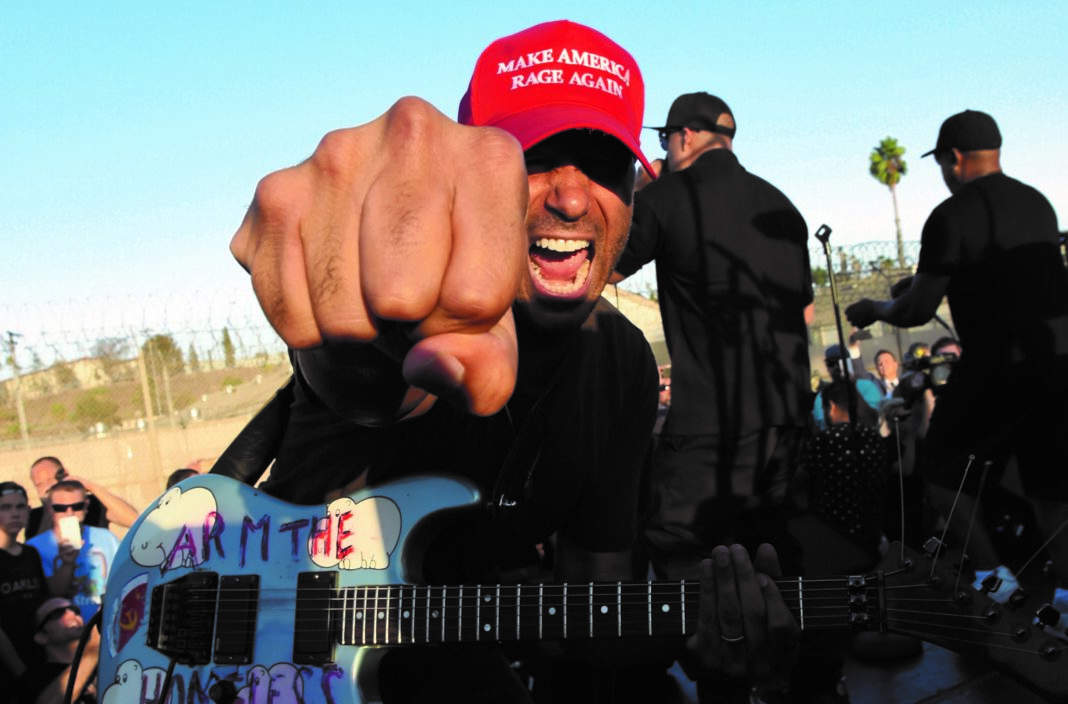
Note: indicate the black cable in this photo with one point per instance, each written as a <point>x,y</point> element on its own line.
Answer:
<point>167,680</point>
<point>68,696</point>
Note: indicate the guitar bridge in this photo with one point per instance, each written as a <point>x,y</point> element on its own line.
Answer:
<point>181,619</point>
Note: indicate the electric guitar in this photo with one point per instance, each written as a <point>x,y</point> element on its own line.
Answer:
<point>223,593</point>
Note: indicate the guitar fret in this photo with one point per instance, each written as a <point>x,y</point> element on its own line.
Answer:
<point>682,600</point>
<point>373,615</point>
<point>591,609</point>
<point>564,606</point>
<point>386,613</point>
<point>801,603</point>
<point>348,615</point>
<point>650,603</point>
<point>409,615</point>
<point>541,611</point>
<point>619,608</point>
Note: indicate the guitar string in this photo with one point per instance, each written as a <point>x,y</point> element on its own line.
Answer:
<point>834,613</point>
<point>952,510</point>
<point>975,511</point>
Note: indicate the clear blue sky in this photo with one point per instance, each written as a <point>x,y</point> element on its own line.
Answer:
<point>132,134</point>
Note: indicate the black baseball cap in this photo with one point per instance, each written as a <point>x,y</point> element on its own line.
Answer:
<point>12,488</point>
<point>967,131</point>
<point>698,111</point>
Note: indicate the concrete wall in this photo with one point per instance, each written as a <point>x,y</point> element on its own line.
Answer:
<point>124,462</point>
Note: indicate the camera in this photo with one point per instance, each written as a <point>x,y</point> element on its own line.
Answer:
<point>926,372</point>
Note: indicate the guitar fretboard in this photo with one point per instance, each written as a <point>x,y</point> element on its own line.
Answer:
<point>409,614</point>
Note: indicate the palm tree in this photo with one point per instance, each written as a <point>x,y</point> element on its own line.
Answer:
<point>887,167</point>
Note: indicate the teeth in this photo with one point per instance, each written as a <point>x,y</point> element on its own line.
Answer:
<point>556,244</point>
<point>564,287</point>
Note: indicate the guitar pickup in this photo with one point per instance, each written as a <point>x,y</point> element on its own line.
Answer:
<point>315,630</point>
<point>199,614</point>
<point>235,626</point>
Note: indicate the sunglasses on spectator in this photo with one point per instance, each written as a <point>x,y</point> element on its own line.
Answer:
<point>57,613</point>
<point>665,135</point>
<point>63,508</point>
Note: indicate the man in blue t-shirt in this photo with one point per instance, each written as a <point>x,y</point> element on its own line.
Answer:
<point>76,563</point>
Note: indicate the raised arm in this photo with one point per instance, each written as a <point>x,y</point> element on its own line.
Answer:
<point>119,510</point>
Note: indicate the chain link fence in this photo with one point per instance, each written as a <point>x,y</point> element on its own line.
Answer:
<point>80,369</point>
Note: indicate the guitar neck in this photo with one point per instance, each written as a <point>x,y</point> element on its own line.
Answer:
<point>409,614</point>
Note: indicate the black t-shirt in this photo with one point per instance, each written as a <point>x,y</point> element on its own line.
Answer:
<point>581,416</point>
<point>733,279</point>
<point>22,589</point>
<point>997,239</point>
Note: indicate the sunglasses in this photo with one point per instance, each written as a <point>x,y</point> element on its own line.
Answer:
<point>57,613</point>
<point>665,135</point>
<point>63,508</point>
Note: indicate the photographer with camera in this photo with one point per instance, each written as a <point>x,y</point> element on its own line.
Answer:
<point>993,248</point>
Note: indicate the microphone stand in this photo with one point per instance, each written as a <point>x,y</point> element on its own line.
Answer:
<point>823,234</point>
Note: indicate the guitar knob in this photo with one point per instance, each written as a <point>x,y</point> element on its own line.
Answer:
<point>1046,616</point>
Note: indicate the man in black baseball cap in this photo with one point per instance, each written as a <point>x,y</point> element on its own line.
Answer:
<point>689,114</point>
<point>968,146</point>
<point>735,285</point>
<point>993,248</point>
<point>967,131</point>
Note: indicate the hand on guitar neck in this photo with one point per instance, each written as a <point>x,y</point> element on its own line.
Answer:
<point>744,627</point>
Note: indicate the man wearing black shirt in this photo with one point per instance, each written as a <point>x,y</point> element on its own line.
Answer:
<point>390,262</point>
<point>734,286</point>
<point>992,248</point>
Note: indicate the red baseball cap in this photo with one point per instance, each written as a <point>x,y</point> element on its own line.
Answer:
<point>554,77</point>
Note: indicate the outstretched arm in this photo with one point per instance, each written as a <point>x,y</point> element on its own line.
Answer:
<point>916,306</point>
<point>391,258</point>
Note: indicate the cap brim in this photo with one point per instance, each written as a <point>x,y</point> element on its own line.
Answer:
<point>48,607</point>
<point>928,153</point>
<point>536,124</point>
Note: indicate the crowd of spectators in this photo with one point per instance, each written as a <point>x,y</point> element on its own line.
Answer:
<point>54,565</point>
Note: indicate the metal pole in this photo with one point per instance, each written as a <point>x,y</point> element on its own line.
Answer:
<point>823,234</point>
<point>20,407</point>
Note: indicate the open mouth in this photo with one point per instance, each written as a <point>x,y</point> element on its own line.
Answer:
<point>561,267</point>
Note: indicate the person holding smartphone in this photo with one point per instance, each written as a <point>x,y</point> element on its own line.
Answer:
<point>76,557</point>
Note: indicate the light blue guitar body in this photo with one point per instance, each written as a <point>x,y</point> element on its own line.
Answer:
<point>256,547</point>
<point>272,603</point>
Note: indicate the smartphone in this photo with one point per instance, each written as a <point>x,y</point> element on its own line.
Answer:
<point>70,531</point>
